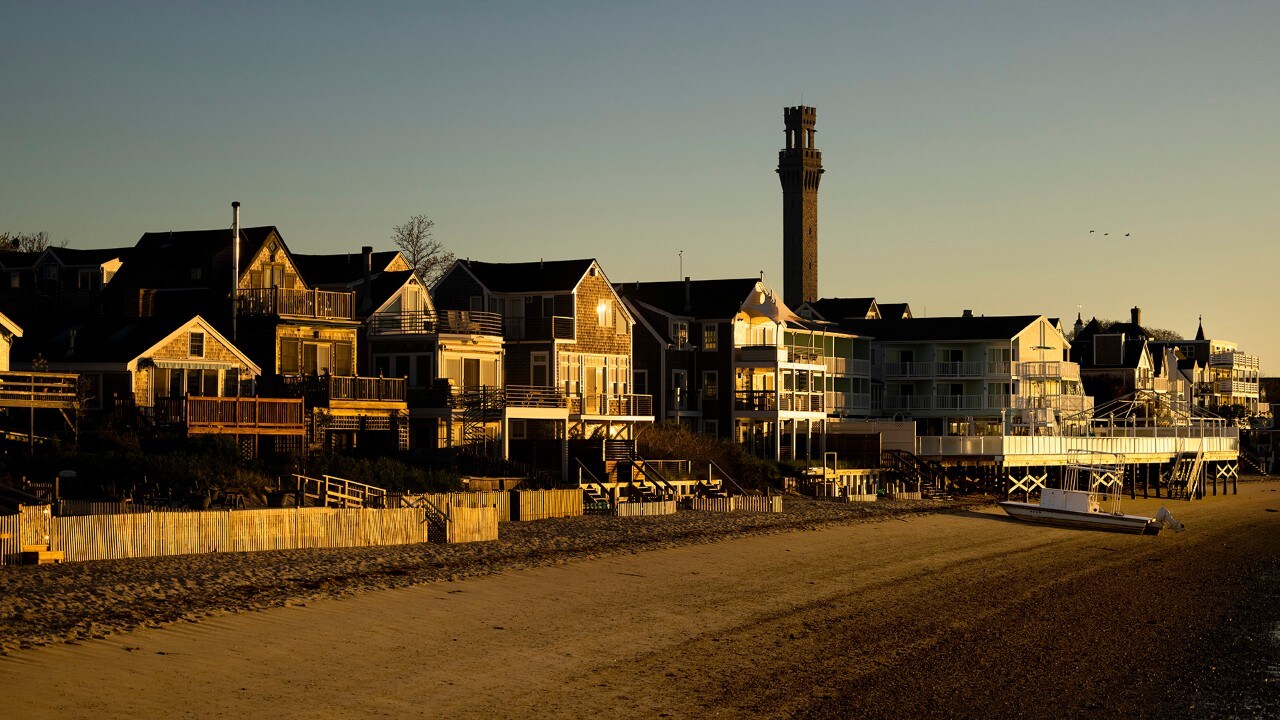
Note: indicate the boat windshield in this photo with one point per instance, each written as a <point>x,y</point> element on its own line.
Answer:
<point>1099,474</point>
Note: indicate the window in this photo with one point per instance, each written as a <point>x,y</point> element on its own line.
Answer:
<point>289,356</point>
<point>423,370</point>
<point>604,313</point>
<point>15,280</point>
<point>197,273</point>
<point>471,373</point>
<point>538,370</point>
<point>711,427</point>
<point>343,355</point>
<point>710,336</point>
<point>710,382</point>
<point>519,429</point>
<point>382,365</point>
<point>680,334</point>
<point>231,383</point>
<point>642,382</point>
<point>195,344</point>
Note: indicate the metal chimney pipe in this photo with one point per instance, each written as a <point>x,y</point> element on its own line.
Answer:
<point>235,265</point>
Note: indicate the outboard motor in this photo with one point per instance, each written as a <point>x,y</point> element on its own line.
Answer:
<point>1165,518</point>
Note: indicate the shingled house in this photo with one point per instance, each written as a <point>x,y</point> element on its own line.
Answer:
<point>727,358</point>
<point>305,339</point>
<point>450,360</point>
<point>1116,360</point>
<point>567,366</point>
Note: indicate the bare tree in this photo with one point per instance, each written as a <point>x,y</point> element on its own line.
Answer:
<point>27,242</point>
<point>424,253</point>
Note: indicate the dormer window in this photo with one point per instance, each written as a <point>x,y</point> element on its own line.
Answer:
<point>680,334</point>
<point>195,344</point>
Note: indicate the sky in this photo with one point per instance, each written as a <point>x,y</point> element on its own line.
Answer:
<point>969,147</point>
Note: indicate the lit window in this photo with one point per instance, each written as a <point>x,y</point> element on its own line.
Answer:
<point>604,313</point>
<point>710,336</point>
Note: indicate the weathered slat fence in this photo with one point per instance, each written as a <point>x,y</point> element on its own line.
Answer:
<point>10,538</point>
<point>500,499</point>
<point>153,534</point>
<point>643,509</point>
<point>529,505</point>
<point>739,503</point>
<point>472,524</point>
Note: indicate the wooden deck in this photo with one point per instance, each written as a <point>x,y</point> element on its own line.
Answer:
<point>58,391</point>
<point>244,416</point>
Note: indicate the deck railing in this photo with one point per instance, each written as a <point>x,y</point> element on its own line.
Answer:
<point>459,322</point>
<point>38,389</point>
<point>1236,387</point>
<point>296,302</point>
<point>538,328</point>
<point>1057,369</point>
<point>326,388</point>
<point>613,405</point>
<point>533,396</point>
<point>265,413</point>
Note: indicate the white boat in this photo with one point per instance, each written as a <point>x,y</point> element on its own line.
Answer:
<point>1090,498</point>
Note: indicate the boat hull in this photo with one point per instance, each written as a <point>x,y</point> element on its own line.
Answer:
<point>1132,524</point>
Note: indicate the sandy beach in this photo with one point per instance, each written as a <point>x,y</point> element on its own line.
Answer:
<point>966,614</point>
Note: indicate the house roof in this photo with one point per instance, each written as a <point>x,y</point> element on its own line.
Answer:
<point>942,328</point>
<point>10,326</point>
<point>103,342</point>
<point>708,299</point>
<point>341,268</point>
<point>551,276</point>
<point>13,259</point>
<point>894,311</point>
<point>837,309</point>
<point>110,342</point>
<point>93,256</point>
<point>187,245</point>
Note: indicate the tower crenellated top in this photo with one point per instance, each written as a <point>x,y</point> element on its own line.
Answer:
<point>799,121</point>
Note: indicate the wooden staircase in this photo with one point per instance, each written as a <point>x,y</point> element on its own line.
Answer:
<point>1187,476</point>
<point>905,467</point>
<point>336,492</point>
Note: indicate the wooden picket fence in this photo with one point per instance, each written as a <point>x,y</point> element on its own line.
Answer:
<point>644,509</point>
<point>739,503</point>
<point>542,504</point>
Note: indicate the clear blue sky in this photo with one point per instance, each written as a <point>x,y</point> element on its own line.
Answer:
<point>969,150</point>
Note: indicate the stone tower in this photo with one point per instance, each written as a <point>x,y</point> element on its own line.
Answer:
<point>800,170</point>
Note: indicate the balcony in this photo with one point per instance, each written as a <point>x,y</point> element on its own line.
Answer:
<point>294,302</point>
<point>961,369</point>
<point>251,415</point>
<point>848,366</point>
<point>843,402</point>
<point>612,405</point>
<point>456,322</point>
<point>1234,360</point>
<point>535,396</point>
<point>1049,369</point>
<point>802,402</point>
<point>325,390</point>
<point>39,390</point>
<point>1236,388</point>
<point>1063,403</point>
<point>968,368</point>
<point>538,328</point>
